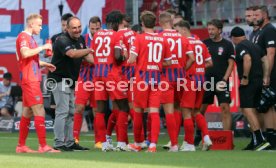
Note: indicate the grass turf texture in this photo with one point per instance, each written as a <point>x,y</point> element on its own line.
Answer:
<point>95,158</point>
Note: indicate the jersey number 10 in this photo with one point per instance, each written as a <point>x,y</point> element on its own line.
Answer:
<point>155,52</point>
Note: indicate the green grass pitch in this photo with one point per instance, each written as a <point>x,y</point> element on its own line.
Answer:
<point>97,159</point>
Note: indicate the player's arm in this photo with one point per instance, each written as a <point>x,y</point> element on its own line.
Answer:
<point>231,62</point>
<point>132,58</point>
<point>247,62</point>
<point>270,44</point>
<point>208,63</point>
<point>229,69</point>
<point>89,58</point>
<point>167,62</point>
<point>270,56</point>
<point>118,55</point>
<point>266,72</point>
<point>74,53</point>
<point>49,66</point>
<point>191,60</point>
<point>26,52</point>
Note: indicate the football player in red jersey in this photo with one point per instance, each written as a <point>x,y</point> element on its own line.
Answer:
<point>27,52</point>
<point>192,98</point>
<point>151,52</point>
<point>126,71</point>
<point>106,78</point>
<point>181,50</point>
<point>84,93</point>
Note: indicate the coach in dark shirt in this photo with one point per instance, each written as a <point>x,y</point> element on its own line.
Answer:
<point>253,74</point>
<point>222,52</point>
<point>266,39</point>
<point>69,50</point>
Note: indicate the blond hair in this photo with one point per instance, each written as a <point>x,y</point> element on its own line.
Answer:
<point>165,17</point>
<point>33,16</point>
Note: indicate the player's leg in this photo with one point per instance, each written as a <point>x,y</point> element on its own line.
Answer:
<point>82,95</point>
<point>187,105</point>
<point>140,103</point>
<point>224,100</point>
<point>208,98</point>
<point>112,120</point>
<point>100,126</point>
<point>122,124</point>
<point>154,105</point>
<point>24,131</point>
<point>201,122</point>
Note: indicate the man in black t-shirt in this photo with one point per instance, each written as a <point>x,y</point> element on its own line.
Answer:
<point>253,75</point>
<point>266,39</point>
<point>64,19</point>
<point>69,49</point>
<point>222,52</point>
<point>250,22</point>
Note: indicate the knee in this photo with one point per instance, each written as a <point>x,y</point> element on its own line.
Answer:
<point>79,109</point>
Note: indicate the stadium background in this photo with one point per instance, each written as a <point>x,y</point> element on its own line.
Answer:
<point>14,12</point>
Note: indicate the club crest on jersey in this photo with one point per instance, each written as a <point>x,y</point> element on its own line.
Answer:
<point>220,50</point>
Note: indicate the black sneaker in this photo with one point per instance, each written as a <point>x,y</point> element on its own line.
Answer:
<point>77,147</point>
<point>262,146</point>
<point>63,148</point>
<point>197,140</point>
<point>250,146</point>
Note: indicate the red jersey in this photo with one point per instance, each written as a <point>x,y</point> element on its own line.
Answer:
<point>86,69</point>
<point>151,50</point>
<point>127,39</point>
<point>179,47</point>
<point>197,71</point>
<point>29,67</point>
<point>103,47</point>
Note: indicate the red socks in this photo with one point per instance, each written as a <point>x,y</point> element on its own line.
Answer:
<point>39,123</point>
<point>201,124</point>
<point>155,127</point>
<point>23,130</point>
<point>189,131</point>
<point>171,127</point>
<point>122,124</point>
<point>100,127</point>
<point>112,122</point>
<point>137,126</point>
<point>77,125</point>
<point>178,119</point>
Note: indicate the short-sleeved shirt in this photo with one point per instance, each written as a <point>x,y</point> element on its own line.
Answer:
<point>151,50</point>
<point>253,35</point>
<point>201,55</point>
<point>86,68</point>
<point>266,39</point>
<point>179,47</point>
<point>66,67</point>
<point>221,52</point>
<point>256,53</point>
<point>29,67</point>
<point>103,47</point>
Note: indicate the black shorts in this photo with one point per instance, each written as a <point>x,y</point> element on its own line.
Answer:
<point>250,94</point>
<point>222,96</point>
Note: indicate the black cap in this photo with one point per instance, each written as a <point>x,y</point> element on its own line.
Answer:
<point>237,32</point>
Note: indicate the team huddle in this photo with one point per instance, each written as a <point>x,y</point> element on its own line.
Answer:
<point>145,62</point>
